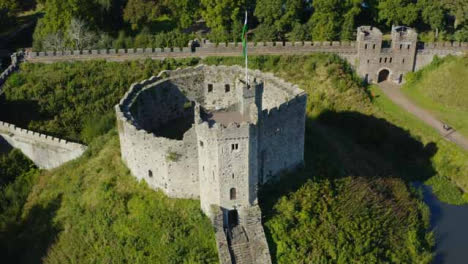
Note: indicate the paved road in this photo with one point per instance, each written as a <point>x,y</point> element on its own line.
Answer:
<point>393,92</point>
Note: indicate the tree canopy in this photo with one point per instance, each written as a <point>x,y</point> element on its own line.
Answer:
<point>269,20</point>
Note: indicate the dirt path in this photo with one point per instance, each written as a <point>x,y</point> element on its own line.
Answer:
<point>394,93</point>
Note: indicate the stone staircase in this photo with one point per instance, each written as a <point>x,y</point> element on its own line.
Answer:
<point>243,243</point>
<point>241,254</point>
<point>239,245</point>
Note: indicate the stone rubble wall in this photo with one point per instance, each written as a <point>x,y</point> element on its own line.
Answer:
<point>45,151</point>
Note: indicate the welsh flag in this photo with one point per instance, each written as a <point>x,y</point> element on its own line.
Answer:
<point>244,37</point>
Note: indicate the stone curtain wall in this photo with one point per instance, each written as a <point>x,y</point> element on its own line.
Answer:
<point>281,138</point>
<point>15,60</point>
<point>166,164</point>
<point>208,49</point>
<point>45,151</point>
<point>426,52</point>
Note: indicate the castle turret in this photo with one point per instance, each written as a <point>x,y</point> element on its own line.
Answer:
<point>404,44</point>
<point>228,143</point>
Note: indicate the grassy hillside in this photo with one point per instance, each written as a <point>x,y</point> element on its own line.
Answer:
<point>361,155</point>
<point>74,100</point>
<point>370,133</point>
<point>441,87</point>
<point>93,211</point>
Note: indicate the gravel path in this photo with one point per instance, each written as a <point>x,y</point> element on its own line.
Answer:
<point>393,92</point>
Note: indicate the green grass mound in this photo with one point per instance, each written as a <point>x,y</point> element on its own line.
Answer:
<point>93,211</point>
<point>441,87</point>
<point>74,100</point>
<point>362,153</point>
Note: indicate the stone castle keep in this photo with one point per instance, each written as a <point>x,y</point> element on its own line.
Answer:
<point>204,133</point>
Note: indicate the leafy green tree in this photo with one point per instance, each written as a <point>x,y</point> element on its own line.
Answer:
<point>351,10</point>
<point>433,14</point>
<point>140,12</point>
<point>326,20</point>
<point>58,17</point>
<point>299,32</point>
<point>8,12</point>
<point>462,34</point>
<point>397,12</point>
<point>185,12</point>
<point>282,15</point>
<point>264,33</point>
<point>459,10</point>
<point>221,15</point>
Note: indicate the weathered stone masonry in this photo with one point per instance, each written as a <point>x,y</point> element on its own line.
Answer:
<point>238,136</point>
<point>45,151</point>
<point>368,54</point>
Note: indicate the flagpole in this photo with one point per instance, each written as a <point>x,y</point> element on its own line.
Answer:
<point>246,54</point>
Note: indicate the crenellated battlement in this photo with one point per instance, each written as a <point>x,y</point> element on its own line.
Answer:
<point>45,151</point>
<point>10,129</point>
<point>15,61</point>
<point>190,131</point>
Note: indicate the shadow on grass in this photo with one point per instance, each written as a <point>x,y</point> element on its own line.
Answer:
<point>340,144</point>
<point>29,240</point>
<point>19,112</point>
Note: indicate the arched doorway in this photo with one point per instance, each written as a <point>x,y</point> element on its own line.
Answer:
<point>233,218</point>
<point>383,75</point>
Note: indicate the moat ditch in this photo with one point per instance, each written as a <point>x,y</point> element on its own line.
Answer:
<point>449,225</point>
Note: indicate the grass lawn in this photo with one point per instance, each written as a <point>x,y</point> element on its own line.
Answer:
<point>442,88</point>
<point>450,161</point>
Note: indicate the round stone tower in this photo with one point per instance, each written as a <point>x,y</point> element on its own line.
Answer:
<point>205,133</point>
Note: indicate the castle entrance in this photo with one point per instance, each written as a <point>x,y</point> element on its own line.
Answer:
<point>233,218</point>
<point>383,75</point>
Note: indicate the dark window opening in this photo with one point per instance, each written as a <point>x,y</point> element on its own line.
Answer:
<point>380,60</point>
<point>409,46</point>
<point>391,60</point>
<point>385,60</point>
<point>210,88</point>
<point>150,174</point>
<point>232,194</point>
<point>368,61</point>
<point>201,143</point>
<point>227,88</point>
<point>401,46</point>
<point>365,47</point>
<point>233,175</point>
<point>373,47</point>
<point>403,61</point>
<point>234,146</point>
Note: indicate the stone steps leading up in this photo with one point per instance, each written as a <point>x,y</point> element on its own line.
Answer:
<point>241,253</point>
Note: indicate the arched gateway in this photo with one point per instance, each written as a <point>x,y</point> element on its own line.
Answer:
<point>383,75</point>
